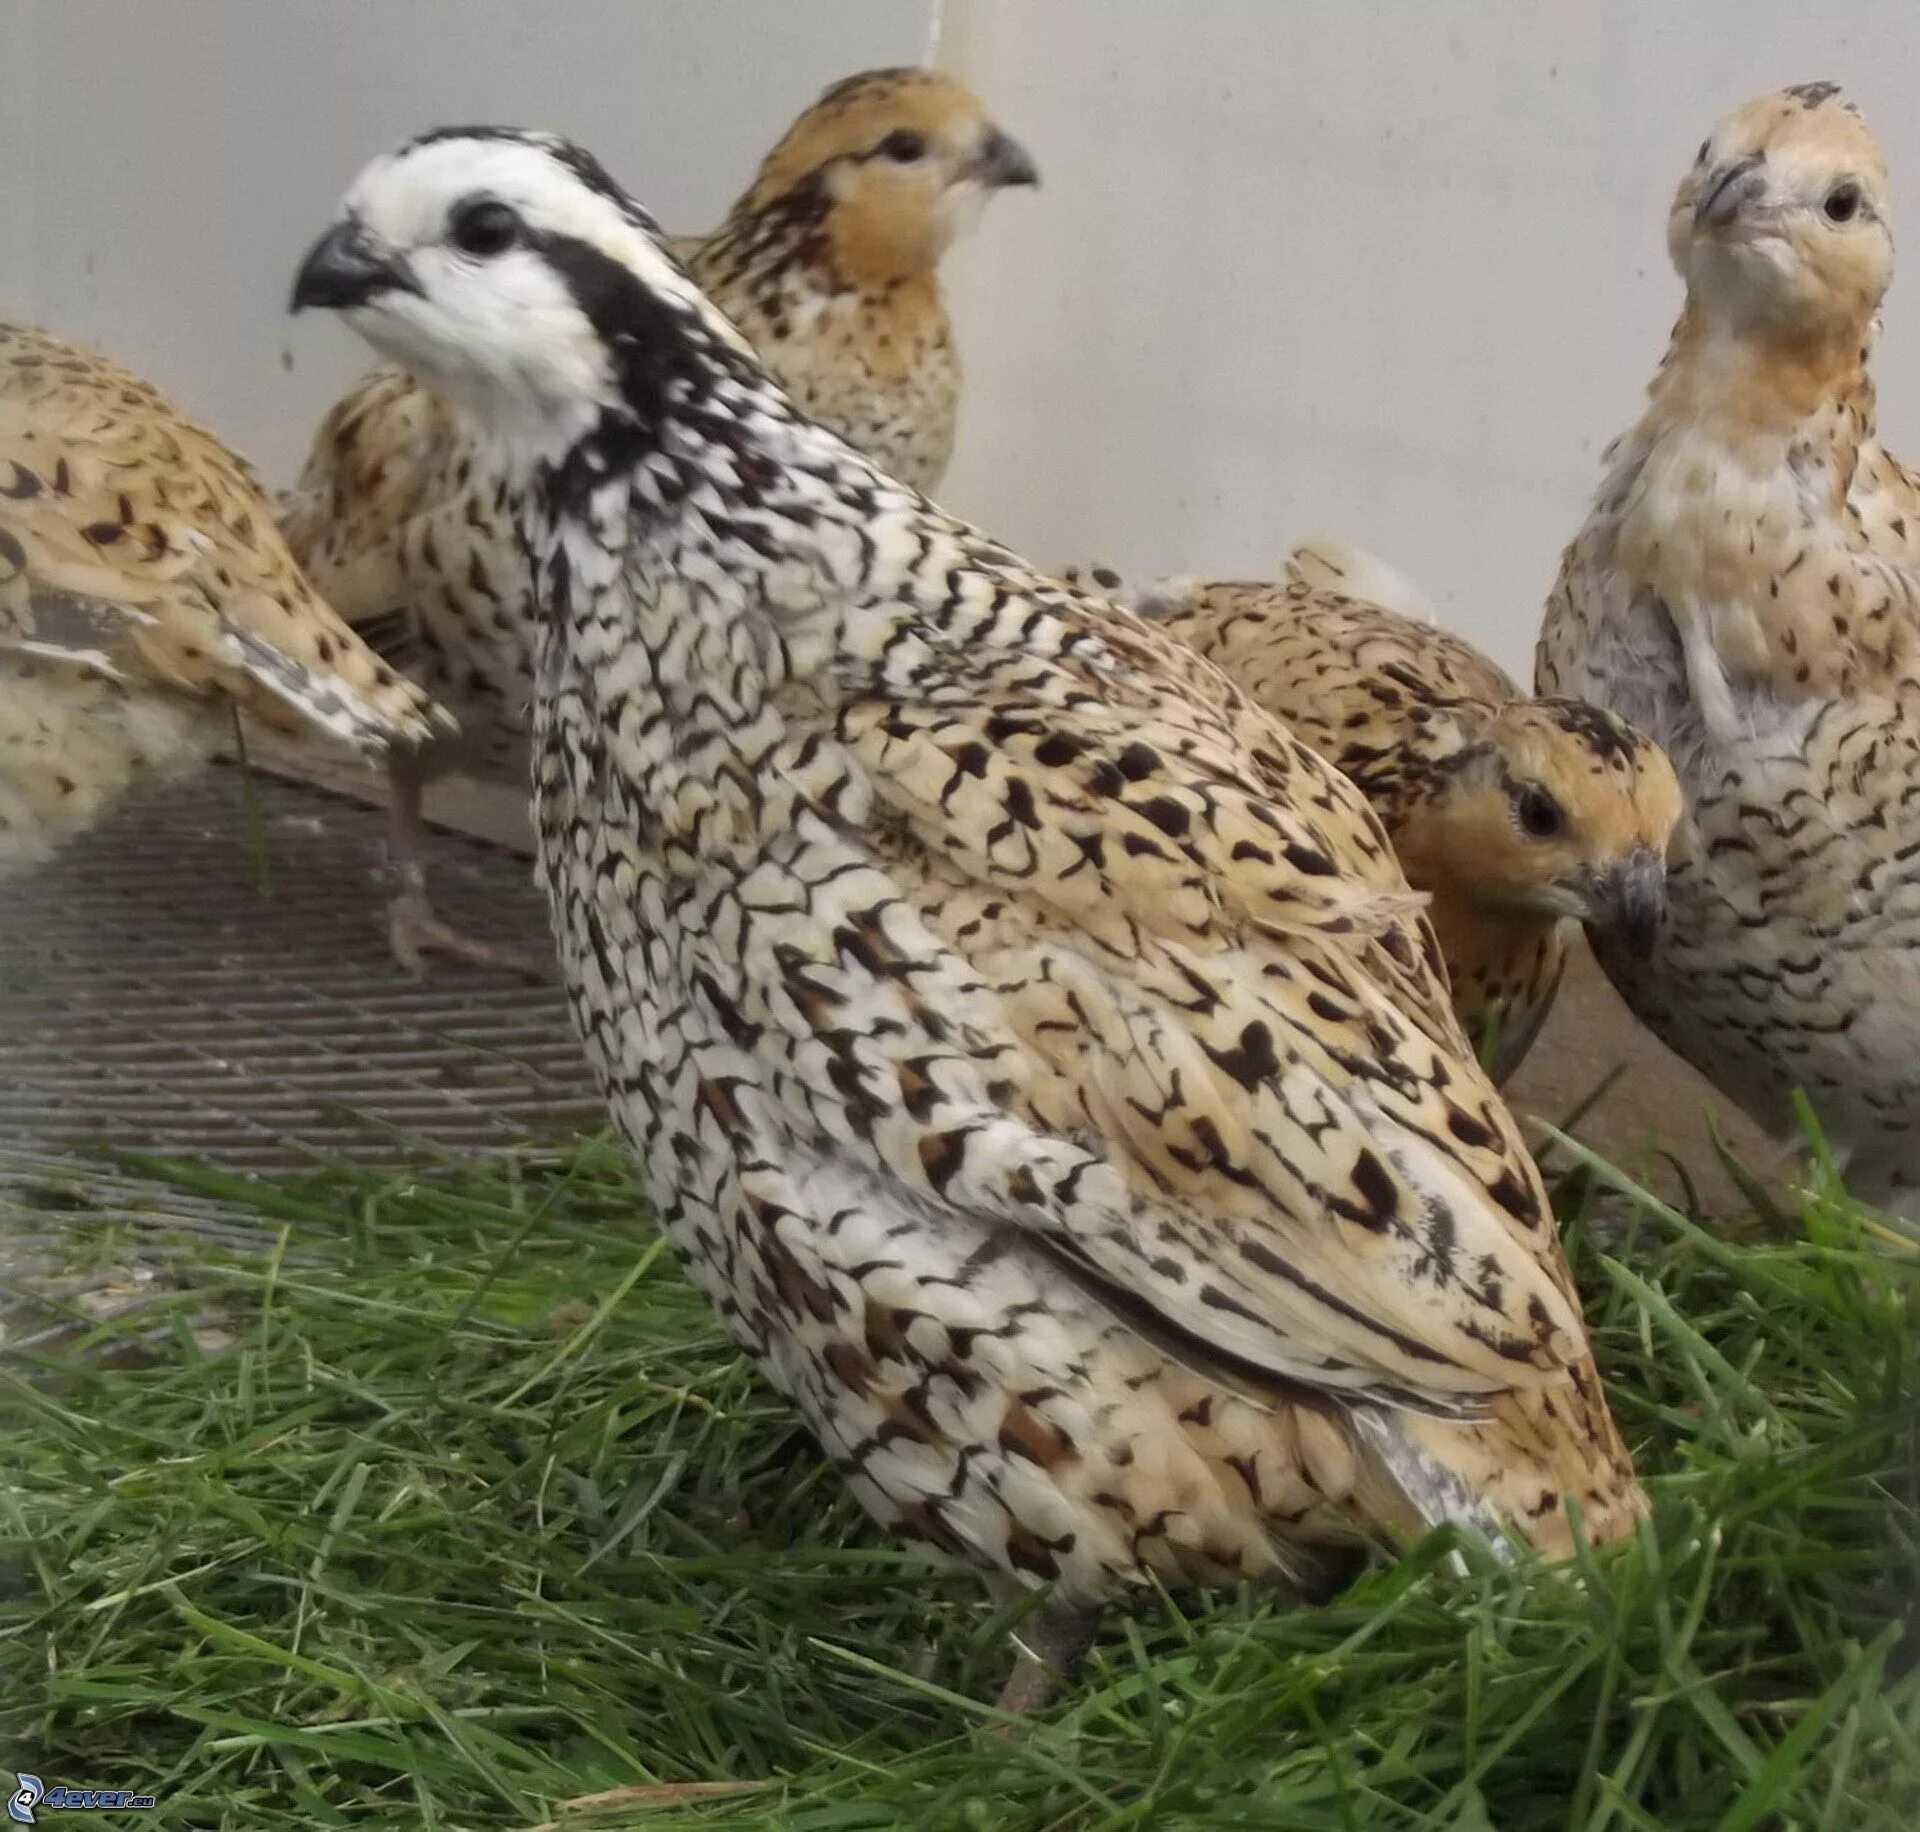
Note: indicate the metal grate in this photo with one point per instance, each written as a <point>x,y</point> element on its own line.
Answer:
<point>155,996</point>
<point>87,1244</point>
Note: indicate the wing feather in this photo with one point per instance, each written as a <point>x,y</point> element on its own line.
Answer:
<point>1211,1057</point>
<point>129,533</point>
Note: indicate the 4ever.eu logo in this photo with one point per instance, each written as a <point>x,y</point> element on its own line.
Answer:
<point>30,1792</point>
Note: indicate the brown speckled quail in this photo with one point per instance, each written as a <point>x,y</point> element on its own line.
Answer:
<point>1035,1052</point>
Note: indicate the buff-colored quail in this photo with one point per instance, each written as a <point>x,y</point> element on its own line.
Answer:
<point>1747,589</point>
<point>145,596</point>
<point>1521,818</point>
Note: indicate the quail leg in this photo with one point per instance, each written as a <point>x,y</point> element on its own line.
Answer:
<point>415,928</point>
<point>1051,1643</point>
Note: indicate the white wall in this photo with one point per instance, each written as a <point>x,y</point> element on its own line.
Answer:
<point>1386,270</point>
<point>1354,266</point>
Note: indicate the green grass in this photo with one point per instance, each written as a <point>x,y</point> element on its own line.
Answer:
<point>475,1515</point>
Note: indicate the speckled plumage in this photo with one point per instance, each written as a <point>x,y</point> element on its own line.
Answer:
<point>1748,588</point>
<point>828,262</point>
<point>144,593</point>
<point>1034,1051</point>
<point>1519,817</point>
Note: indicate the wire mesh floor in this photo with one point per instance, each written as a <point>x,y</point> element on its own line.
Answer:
<point>157,995</point>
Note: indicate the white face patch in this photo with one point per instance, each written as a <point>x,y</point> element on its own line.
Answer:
<point>502,334</point>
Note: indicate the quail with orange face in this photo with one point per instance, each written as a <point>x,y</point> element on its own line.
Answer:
<point>1520,818</point>
<point>1747,589</point>
<point>145,596</point>
<point>1033,1049</point>
<point>829,262</point>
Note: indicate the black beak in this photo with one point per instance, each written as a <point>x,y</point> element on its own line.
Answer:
<point>1631,899</point>
<point>1004,161</point>
<point>1727,193</point>
<point>344,269</point>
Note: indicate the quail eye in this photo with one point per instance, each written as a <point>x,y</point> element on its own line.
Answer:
<point>1700,158</point>
<point>484,227</point>
<point>904,145</point>
<point>1540,816</point>
<point>1843,203</point>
